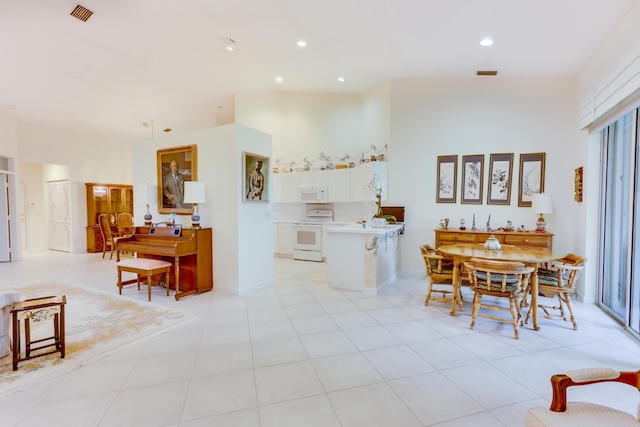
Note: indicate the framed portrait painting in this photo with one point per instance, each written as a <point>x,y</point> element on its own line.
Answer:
<point>176,165</point>
<point>255,172</point>
<point>500,172</point>
<point>531,177</point>
<point>447,179</point>
<point>472,179</point>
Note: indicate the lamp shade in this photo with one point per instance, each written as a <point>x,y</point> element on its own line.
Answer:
<point>541,203</point>
<point>194,192</point>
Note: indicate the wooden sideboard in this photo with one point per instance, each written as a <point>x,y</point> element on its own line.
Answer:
<point>516,238</point>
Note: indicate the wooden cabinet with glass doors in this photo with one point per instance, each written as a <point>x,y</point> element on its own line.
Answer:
<point>111,200</point>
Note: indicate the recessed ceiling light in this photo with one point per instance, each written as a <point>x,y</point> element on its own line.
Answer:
<point>229,48</point>
<point>341,79</point>
<point>279,79</point>
<point>301,43</point>
<point>486,42</point>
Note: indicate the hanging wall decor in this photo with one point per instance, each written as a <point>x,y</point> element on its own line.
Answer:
<point>472,179</point>
<point>500,172</point>
<point>447,179</point>
<point>531,177</point>
<point>578,185</point>
<point>175,166</point>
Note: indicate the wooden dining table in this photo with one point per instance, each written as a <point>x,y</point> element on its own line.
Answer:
<point>532,256</point>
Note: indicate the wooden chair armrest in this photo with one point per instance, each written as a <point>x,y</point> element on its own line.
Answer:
<point>561,382</point>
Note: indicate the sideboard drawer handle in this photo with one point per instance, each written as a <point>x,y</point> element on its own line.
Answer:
<point>526,240</point>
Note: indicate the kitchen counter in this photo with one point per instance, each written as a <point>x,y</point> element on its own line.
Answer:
<point>363,259</point>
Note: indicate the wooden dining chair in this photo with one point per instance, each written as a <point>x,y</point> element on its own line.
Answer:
<point>439,271</point>
<point>558,278</point>
<point>583,414</point>
<point>125,224</point>
<point>500,279</point>
<point>107,237</point>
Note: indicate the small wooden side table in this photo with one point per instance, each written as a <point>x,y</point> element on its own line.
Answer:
<point>38,310</point>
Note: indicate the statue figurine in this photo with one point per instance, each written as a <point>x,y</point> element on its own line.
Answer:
<point>446,223</point>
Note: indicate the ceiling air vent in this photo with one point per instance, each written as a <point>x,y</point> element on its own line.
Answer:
<point>486,73</point>
<point>81,13</point>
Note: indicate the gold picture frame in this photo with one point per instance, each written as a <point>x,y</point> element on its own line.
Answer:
<point>255,178</point>
<point>183,160</point>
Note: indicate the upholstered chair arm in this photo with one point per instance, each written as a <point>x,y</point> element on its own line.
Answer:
<point>561,382</point>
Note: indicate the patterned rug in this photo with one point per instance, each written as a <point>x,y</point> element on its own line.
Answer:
<point>97,324</point>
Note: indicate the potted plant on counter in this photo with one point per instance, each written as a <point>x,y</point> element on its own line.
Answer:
<point>379,219</point>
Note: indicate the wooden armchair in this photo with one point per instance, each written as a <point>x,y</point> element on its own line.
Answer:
<point>580,413</point>
<point>107,238</point>
<point>497,279</point>
<point>439,270</point>
<point>559,278</point>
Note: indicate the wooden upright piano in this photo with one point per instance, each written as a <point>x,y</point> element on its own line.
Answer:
<point>189,252</point>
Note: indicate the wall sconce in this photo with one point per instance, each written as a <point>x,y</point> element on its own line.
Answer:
<point>194,192</point>
<point>541,203</point>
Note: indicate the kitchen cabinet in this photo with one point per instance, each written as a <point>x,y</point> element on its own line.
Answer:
<point>338,186</point>
<point>327,226</point>
<point>109,199</point>
<point>343,185</point>
<point>360,178</point>
<point>312,178</point>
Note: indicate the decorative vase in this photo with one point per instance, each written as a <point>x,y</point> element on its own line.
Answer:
<point>379,222</point>
<point>147,217</point>
<point>492,243</point>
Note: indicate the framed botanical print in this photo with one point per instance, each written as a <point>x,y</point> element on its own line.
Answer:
<point>531,177</point>
<point>500,172</point>
<point>472,179</point>
<point>175,166</point>
<point>447,179</point>
<point>255,185</point>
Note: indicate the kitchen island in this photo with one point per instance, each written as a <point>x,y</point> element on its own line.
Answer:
<point>363,259</point>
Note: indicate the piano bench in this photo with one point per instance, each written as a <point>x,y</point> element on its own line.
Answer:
<point>146,267</point>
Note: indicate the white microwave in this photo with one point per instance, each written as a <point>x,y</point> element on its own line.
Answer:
<point>314,194</point>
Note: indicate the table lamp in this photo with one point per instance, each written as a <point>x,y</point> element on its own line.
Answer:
<point>152,196</point>
<point>541,203</point>
<point>194,192</point>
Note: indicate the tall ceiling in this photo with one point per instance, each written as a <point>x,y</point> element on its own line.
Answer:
<point>134,61</point>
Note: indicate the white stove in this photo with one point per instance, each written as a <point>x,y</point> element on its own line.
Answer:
<point>307,234</point>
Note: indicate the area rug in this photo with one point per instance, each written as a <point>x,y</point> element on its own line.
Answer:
<point>97,324</point>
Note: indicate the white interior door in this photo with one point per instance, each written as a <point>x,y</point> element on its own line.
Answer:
<point>5,241</point>
<point>59,215</point>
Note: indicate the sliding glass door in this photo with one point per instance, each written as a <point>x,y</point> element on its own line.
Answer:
<point>621,221</point>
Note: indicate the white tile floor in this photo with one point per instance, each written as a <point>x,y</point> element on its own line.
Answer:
<point>303,354</point>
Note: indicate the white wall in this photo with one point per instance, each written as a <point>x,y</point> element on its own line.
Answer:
<point>304,124</point>
<point>88,158</point>
<point>481,116</point>
<point>242,232</point>
<point>421,119</point>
